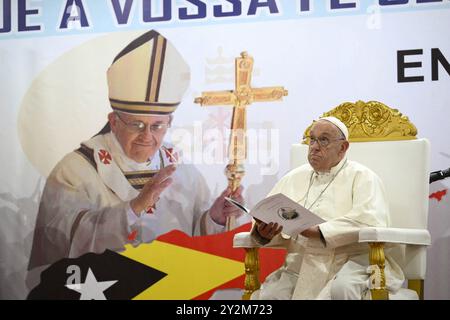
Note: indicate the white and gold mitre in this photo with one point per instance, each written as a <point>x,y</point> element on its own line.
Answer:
<point>148,77</point>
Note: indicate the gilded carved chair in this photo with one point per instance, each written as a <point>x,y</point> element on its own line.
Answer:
<point>384,140</point>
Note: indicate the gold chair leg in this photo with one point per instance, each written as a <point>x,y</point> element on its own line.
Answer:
<point>251,262</point>
<point>417,286</point>
<point>377,277</point>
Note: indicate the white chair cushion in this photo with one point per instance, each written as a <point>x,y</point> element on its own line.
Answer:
<point>244,240</point>
<point>395,235</point>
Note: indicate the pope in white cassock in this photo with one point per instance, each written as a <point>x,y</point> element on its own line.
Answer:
<point>326,261</point>
<point>124,185</point>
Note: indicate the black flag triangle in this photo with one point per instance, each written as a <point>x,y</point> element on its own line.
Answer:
<point>95,276</point>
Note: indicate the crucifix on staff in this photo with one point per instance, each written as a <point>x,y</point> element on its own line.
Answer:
<point>240,98</point>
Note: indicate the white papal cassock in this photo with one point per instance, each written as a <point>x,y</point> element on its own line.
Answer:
<point>354,199</point>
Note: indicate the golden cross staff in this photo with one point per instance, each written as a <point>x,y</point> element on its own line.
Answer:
<point>242,96</point>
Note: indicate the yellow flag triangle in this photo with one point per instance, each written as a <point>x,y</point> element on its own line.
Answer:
<point>189,272</point>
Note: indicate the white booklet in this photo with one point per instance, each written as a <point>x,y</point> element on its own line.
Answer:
<point>280,209</point>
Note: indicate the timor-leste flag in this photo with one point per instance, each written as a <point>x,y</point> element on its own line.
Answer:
<point>175,266</point>
<point>198,266</point>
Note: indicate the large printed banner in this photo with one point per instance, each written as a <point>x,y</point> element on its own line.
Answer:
<point>54,55</point>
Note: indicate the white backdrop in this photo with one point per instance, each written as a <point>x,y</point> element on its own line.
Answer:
<point>53,95</point>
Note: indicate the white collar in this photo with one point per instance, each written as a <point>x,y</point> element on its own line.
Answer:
<point>124,162</point>
<point>333,170</point>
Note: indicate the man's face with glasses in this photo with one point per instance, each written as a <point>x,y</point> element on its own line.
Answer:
<point>139,136</point>
<point>327,146</point>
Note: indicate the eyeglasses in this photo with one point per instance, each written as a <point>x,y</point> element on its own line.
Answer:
<point>322,141</point>
<point>139,126</point>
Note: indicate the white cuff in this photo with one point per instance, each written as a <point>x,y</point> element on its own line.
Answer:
<point>211,226</point>
<point>132,218</point>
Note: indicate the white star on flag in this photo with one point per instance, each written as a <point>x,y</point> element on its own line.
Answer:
<point>91,289</point>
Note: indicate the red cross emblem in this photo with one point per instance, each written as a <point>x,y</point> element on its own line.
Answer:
<point>104,156</point>
<point>151,209</point>
<point>132,235</point>
<point>173,157</point>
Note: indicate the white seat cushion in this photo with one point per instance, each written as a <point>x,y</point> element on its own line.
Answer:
<point>244,240</point>
<point>395,235</point>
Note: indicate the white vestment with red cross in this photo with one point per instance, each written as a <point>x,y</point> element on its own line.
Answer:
<point>84,204</point>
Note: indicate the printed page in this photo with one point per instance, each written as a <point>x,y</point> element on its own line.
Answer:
<point>291,215</point>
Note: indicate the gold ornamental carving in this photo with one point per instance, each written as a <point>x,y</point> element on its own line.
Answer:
<point>377,279</point>
<point>251,262</point>
<point>371,121</point>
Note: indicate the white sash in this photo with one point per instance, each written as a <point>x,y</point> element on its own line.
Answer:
<point>109,171</point>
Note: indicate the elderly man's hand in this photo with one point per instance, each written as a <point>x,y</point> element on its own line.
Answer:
<point>152,189</point>
<point>313,232</point>
<point>221,209</point>
<point>268,230</point>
